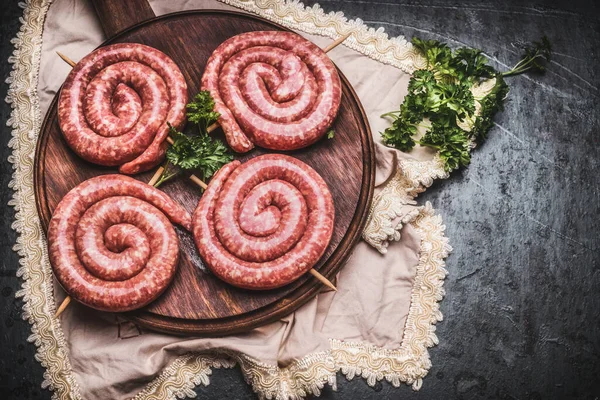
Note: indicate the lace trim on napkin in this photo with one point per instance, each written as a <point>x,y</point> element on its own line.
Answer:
<point>374,43</point>
<point>409,363</point>
<point>37,289</point>
<point>180,378</point>
<point>411,178</point>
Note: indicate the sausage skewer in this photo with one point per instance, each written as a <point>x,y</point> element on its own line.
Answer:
<point>199,182</point>
<point>112,244</point>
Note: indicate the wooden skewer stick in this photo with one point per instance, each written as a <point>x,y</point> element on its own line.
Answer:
<point>323,280</point>
<point>156,175</point>
<point>212,127</point>
<point>63,305</point>
<point>66,59</point>
<point>336,42</point>
<point>199,182</point>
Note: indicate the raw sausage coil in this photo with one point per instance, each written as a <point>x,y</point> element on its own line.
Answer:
<point>273,89</point>
<point>111,242</point>
<point>264,223</point>
<point>115,103</point>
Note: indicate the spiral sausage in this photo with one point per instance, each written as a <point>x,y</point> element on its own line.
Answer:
<point>111,244</point>
<point>262,224</point>
<point>114,105</point>
<point>273,89</point>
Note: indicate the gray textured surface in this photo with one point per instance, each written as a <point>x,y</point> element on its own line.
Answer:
<point>521,310</point>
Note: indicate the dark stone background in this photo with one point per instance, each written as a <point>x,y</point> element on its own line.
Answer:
<point>522,306</point>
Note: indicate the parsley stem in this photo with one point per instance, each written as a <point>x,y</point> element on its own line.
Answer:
<point>165,176</point>
<point>433,146</point>
<point>422,124</point>
<point>522,66</point>
<point>519,64</point>
<point>391,114</point>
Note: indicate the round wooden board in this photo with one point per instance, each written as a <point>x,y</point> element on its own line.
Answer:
<point>198,303</point>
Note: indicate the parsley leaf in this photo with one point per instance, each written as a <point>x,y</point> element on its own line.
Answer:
<point>201,111</point>
<point>331,134</point>
<point>400,134</point>
<point>490,105</point>
<point>200,152</point>
<point>451,142</point>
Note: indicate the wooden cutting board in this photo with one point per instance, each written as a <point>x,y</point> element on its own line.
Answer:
<point>197,303</point>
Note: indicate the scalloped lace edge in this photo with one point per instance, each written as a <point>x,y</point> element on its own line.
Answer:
<point>374,43</point>
<point>37,288</point>
<point>411,178</point>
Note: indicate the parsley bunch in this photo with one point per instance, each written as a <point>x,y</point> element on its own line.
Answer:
<point>439,98</point>
<point>196,152</point>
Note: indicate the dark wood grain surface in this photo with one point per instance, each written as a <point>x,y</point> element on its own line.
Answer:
<point>197,302</point>
<point>116,16</point>
<point>521,309</point>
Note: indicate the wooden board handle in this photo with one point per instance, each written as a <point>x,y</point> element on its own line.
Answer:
<point>118,15</point>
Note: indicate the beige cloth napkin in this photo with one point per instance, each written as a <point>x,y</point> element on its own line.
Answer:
<point>367,315</point>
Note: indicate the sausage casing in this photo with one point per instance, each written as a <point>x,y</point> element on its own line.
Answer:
<point>111,242</point>
<point>264,223</point>
<point>273,89</point>
<point>114,106</point>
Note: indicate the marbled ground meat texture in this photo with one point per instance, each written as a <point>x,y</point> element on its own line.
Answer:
<point>112,244</point>
<point>264,223</point>
<point>273,89</point>
<point>114,106</point>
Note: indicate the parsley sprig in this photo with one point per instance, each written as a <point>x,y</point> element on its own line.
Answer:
<point>535,58</point>
<point>201,111</point>
<point>439,99</point>
<point>201,152</point>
